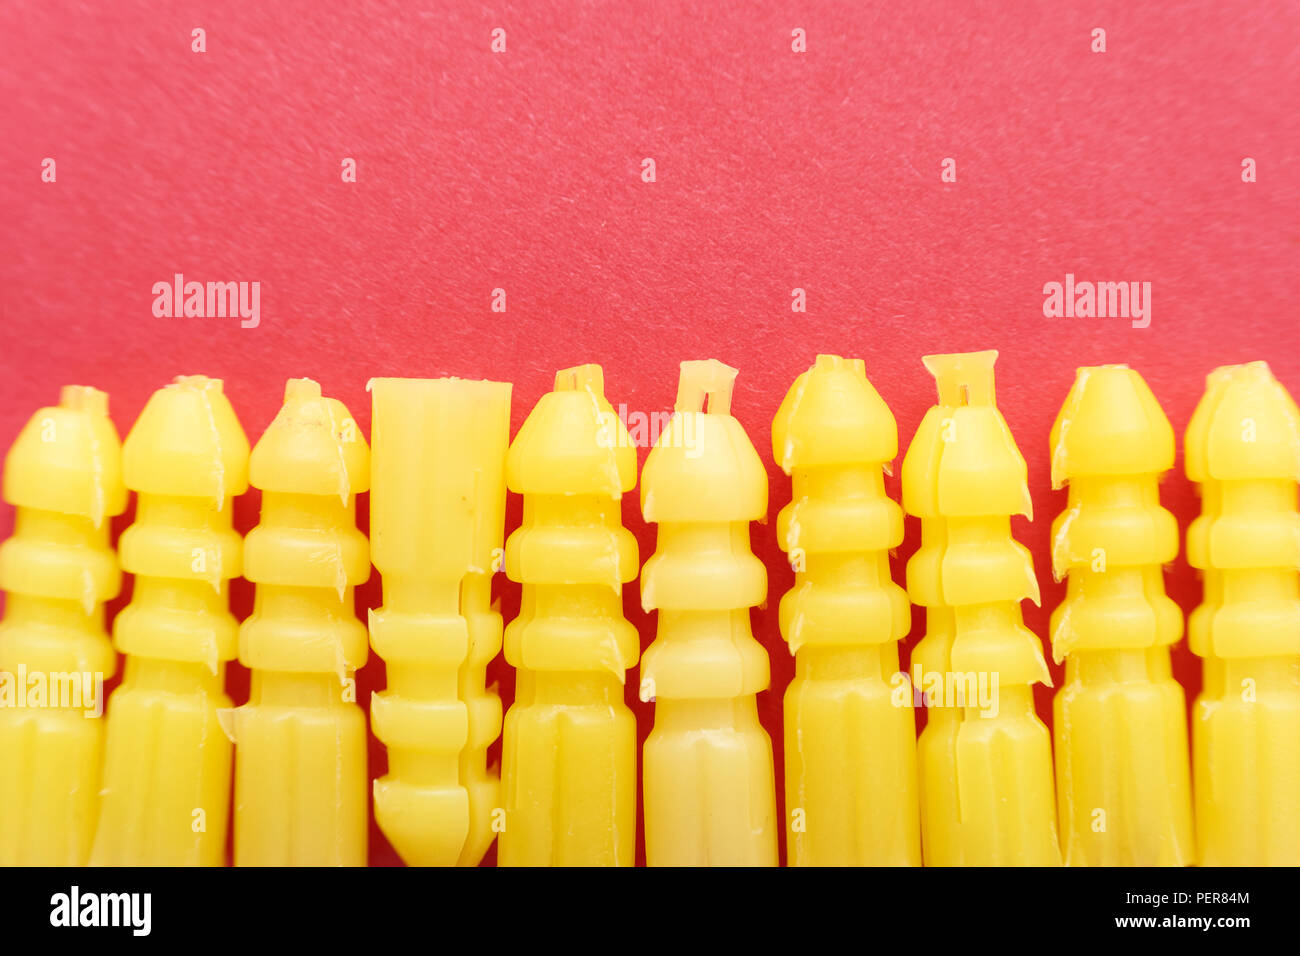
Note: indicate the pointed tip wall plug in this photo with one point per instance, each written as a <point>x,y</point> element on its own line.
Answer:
<point>64,477</point>
<point>985,759</point>
<point>1124,797</point>
<point>708,779</point>
<point>850,739</point>
<point>300,741</point>
<point>1243,449</point>
<point>167,762</point>
<point>569,742</point>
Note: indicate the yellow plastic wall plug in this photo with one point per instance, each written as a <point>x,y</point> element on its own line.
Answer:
<point>850,735</point>
<point>437,513</point>
<point>300,741</point>
<point>985,759</point>
<point>167,762</point>
<point>64,477</point>
<point>1122,776</point>
<point>1243,448</point>
<point>710,795</point>
<point>569,742</point>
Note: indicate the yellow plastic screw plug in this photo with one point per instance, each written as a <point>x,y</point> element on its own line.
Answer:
<point>300,741</point>
<point>710,795</point>
<point>64,477</point>
<point>167,762</point>
<point>1123,782</point>
<point>850,739</point>
<point>1243,449</point>
<point>985,759</point>
<point>569,742</point>
<point>437,513</point>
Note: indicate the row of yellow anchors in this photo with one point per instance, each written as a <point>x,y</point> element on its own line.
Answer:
<point>977,788</point>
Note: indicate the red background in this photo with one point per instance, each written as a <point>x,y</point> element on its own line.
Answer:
<point>521,170</point>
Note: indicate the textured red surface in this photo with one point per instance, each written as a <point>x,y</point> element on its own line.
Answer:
<point>521,171</point>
